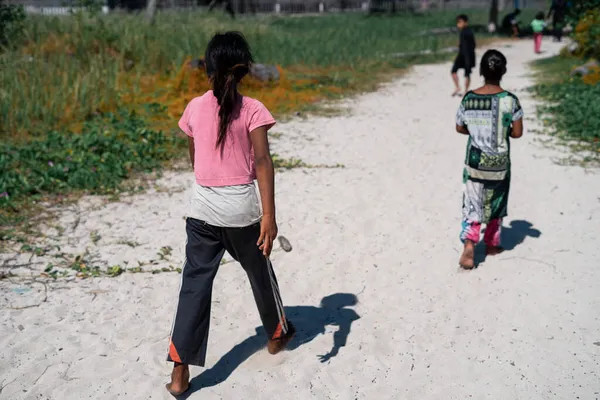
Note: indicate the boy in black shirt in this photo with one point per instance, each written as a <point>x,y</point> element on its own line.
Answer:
<point>466,53</point>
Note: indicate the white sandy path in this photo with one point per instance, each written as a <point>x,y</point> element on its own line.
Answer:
<point>525,325</point>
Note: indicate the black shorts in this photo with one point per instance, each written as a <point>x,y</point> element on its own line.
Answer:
<point>459,63</point>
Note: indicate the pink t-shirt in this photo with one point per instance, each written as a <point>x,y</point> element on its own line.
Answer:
<point>235,164</point>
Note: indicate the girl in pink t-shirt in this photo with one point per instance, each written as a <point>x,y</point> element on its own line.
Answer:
<point>229,149</point>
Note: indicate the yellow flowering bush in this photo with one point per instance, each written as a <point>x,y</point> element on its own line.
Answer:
<point>587,34</point>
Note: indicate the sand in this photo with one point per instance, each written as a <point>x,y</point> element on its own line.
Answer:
<point>382,232</point>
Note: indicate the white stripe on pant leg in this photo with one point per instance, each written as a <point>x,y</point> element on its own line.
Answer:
<point>274,284</point>
<point>277,297</point>
<point>179,291</point>
<point>276,293</point>
<point>281,313</point>
<point>279,307</point>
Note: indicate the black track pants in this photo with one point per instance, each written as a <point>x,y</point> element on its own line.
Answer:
<point>204,250</point>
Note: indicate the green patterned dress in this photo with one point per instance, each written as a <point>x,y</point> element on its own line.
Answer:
<point>486,175</point>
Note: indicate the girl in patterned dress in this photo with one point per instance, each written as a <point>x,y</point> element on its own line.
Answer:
<point>490,116</point>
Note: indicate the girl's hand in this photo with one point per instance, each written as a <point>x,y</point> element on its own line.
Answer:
<point>462,129</point>
<point>266,185</point>
<point>268,234</point>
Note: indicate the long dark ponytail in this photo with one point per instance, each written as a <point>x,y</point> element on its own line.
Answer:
<point>228,59</point>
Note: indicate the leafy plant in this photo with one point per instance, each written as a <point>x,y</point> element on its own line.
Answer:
<point>71,68</point>
<point>109,150</point>
<point>587,33</point>
<point>95,237</point>
<point>572,107</point>
<point>165,252</point>
<point>12,24</point>
<point>115,270</point>
<point>579,8</point>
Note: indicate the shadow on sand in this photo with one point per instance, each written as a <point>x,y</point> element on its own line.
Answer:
<point>512,236</point>
<point>309,321</point>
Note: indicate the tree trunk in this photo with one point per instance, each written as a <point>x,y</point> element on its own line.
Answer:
<point>151,11</point>
<point>502,4</point>
<point>494,13</point>
<point>244,6</point>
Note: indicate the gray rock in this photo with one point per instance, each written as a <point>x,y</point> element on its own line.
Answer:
<point>196,63</point>
<point>264,73</point>
<point>128,65</point>
<point>285,244</point>
<point>572,47</point>
<point>586,68</point>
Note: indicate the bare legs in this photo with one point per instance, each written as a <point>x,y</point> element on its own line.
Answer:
<point>180,379</point>
<point>456,85</point>
<point>470,235</point>
<point>467,259</point>
<point>457,91</point>
<point>492,237</point>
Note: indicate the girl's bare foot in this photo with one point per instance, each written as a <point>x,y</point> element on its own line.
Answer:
<point>180,379</point>
<point>493,250</point>
<point>277,345</point>
<point>467,259</point>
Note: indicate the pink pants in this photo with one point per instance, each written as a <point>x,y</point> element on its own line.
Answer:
<point>537,42</point>
<point>472,230</point>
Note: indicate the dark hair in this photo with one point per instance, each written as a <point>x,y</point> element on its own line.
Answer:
<point>228,59</point>
<point>462,17</point>
<point>517,11</point>
<point>540,16</point>
<point>493,66</point>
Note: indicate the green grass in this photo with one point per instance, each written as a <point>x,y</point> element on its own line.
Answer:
<point>70,89</point>
<point>572,109</point>
<point>554,69</point>
<point>70,68</point>
<point>109,150</point>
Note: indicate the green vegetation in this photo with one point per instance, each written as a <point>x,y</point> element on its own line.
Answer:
<point>579,8</point>
<point>87,100</point>
<point>82,266</point>
<point>587,32</point>
<point>69,68</point>
<point>107,151</point>
<point>572,109</point>
<point>12,21</point>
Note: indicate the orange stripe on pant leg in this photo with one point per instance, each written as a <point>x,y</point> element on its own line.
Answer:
<point>173,353</point>
<point>278,332</point>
